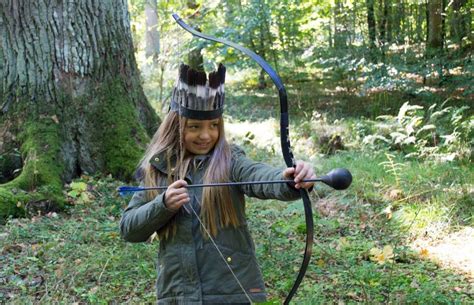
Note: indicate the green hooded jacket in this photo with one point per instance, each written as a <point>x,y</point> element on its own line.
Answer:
<point>190,268</point>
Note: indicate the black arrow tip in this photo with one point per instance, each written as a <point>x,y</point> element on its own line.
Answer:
<point>338,178</point>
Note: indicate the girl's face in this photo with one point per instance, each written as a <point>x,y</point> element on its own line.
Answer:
<point>200,136</point>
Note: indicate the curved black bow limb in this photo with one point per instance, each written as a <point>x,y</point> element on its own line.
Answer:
<point>285,143</point>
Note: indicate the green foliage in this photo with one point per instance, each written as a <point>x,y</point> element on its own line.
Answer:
<point>77,255</point>
<point>118,132</point>
<point>80,257</point>
<point>443,133</point>
<point>40,177</point>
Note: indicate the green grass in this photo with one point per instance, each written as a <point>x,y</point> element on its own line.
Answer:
<point>78,256</point>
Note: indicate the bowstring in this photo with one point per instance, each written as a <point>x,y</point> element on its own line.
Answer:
<point>219,251</point>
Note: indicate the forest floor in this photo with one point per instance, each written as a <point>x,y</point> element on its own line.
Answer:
<point>401,234</point>
<point>454,250</point>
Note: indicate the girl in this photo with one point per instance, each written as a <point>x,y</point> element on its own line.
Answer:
<point>206,254</point>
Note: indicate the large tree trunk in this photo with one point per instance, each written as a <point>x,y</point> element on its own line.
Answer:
<point>72,102</point>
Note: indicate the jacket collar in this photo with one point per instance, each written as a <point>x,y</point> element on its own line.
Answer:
<point>159,161</point>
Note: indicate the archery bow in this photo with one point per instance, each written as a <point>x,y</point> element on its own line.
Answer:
<point>285,143</point>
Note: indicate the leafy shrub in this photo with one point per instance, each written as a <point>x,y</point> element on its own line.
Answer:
<point>442,133</point>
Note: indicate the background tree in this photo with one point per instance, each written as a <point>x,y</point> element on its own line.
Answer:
<point>152,48</point>
<point>72,99</point>
<point>435,25</point>
<point>340,25</point>
<point>371,23</point>
<point>460,21</point>
<point>195,58</point>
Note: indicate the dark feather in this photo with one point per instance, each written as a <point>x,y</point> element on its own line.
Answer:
<point>221,72</point>
<point>191,77</point>
<point>183,73</point>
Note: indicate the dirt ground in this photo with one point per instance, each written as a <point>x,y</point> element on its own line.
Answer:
<point>454,251</point>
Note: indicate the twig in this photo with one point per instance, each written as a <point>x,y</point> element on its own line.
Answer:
<point>105,266</point>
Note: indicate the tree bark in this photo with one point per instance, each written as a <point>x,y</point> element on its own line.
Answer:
<point>72,102</point>
<point>421,14</point>
<point>383,22</point>
<point>371,22</point>
<point>340,26</point>
<point>460,21</point>
<point>435,27</point>
<point>387,12</point>
<point>152,48</point>
<point>397,22</point>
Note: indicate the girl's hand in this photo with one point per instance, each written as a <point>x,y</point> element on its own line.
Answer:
<point>176,195</point>
<point>302,171</point>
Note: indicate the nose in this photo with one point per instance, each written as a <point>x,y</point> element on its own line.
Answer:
<point>204,135</point>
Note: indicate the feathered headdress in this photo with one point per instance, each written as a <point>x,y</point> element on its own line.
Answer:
<point>197,97</point>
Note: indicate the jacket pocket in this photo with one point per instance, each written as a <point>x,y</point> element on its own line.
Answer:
<point>236,239</point>
<point>169,282</point>
<point>217,278</point>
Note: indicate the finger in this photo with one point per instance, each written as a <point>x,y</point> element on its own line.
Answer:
<point>181,190</point>
<point>301,174</point>
<point>180,203</point>
<point>178,184</point>
<point>172,193</point>
<point>300,165</point>
<point>310,175</point>
<point>307,185</point>
<point>181,197</point>
<point>288,173</point>
<point>184,200</point>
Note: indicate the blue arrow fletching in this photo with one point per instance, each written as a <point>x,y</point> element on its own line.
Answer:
<point>127,190</point>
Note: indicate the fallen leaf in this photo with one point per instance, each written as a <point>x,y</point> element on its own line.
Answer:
<point>424,253</point>
<point>382,256</point>
<point>320,262</point>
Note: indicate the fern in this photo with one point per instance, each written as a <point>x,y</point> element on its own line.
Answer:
<point>394,168</point>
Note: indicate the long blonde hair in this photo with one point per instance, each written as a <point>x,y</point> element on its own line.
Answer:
<point>217,208</point>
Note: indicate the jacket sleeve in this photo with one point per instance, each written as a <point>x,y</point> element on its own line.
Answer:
<point>141,219</point>
<point>244,169</point>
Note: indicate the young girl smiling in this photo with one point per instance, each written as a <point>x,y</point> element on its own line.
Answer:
<point>206,253</point>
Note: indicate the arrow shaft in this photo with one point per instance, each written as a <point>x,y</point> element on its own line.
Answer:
<point>226,184</point>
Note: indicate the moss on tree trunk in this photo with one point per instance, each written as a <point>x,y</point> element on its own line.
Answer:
<point>72,102</point>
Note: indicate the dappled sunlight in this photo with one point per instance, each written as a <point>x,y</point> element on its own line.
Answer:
<point>432,89</point>
<point>454,250</point>
<point>456,71</point>
<point>413,76</point>
<point>260,134</point>
<point>264,135</point>
<point>336,90</point>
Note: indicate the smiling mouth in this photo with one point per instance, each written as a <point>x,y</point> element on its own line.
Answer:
<point>204,145</point>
